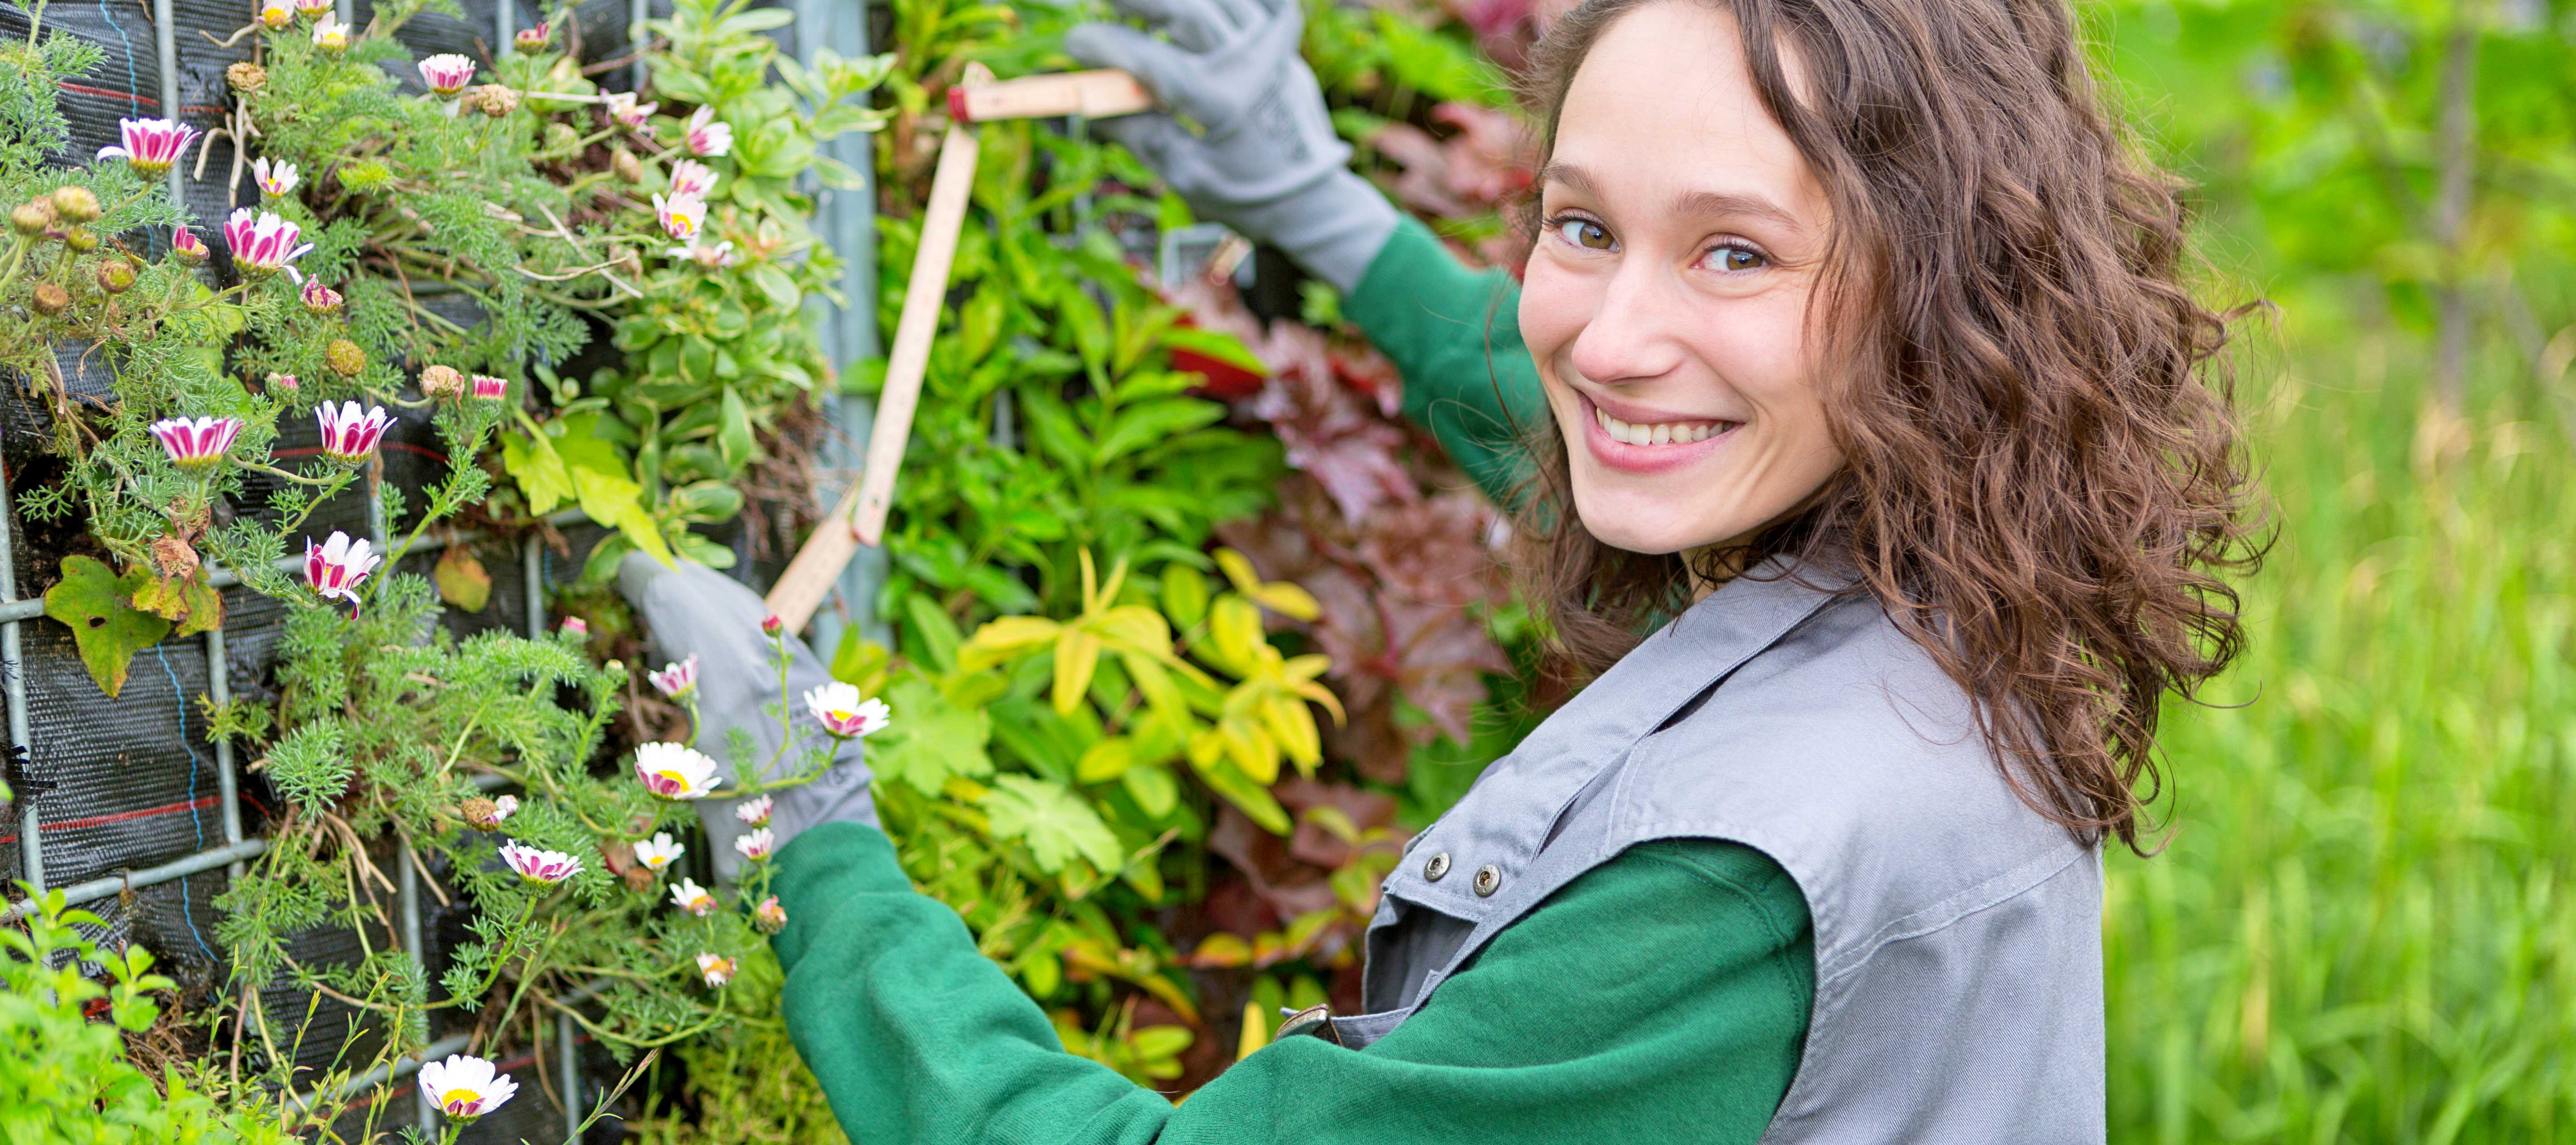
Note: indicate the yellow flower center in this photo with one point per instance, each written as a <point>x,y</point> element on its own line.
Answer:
<point>676,779</point>
<point>455,1098</point>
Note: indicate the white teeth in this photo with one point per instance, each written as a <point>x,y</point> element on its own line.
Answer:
<point>1667,433</point>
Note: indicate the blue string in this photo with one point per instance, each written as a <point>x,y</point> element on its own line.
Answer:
<point>196,815</point>
<point>133,83</point>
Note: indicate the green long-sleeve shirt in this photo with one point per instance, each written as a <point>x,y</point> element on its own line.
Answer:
<point>1663,996</point>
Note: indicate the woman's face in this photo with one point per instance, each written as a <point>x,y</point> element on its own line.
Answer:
<point>1666,302</point>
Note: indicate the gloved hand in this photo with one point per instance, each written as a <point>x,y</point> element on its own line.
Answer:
<point>696,610</point>
<point>1268,164</point>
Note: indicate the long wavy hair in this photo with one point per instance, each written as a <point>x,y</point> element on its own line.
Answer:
<point>2045,477</point>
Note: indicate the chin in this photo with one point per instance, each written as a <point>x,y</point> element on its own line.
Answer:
<point>1642,524</point>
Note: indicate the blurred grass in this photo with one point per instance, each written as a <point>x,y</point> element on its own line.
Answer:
<point>2365,926</point>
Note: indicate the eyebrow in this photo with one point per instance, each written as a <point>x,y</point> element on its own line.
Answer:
<point>1687,203</point>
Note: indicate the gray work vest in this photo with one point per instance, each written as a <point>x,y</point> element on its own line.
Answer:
<point>1957,932</point>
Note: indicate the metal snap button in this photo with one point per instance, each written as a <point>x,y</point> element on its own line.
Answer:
<point>1436,867</point>
<point>1489,879</point>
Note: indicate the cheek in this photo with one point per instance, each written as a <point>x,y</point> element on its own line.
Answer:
<point>1555,305</point>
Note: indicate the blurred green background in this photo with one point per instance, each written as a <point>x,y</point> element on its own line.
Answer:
<point>2364,926</point>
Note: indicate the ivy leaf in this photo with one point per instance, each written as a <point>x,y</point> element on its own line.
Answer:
<point>461,579</point>
<point>110,631</point>
<point>616,500</point>
<point>194,604</point>
<point>933,740</point>
<point>1056,823</point>
<point>541,473</point>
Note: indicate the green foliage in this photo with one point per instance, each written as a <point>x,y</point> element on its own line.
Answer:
<point>64,1077</point>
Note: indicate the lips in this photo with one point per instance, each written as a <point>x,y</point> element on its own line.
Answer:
<point>1650,446</point>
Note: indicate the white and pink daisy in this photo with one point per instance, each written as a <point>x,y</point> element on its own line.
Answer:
<point>769,916</point>
<point>680,216</point>
<point>708,257</point>
<point>754,811</point>
<point>152,146</point>
<point>658,852</point>
<point>186,244</point>
<point>623,108</point>
<point>675,771</point>
<point>708,136</point>
<point>348,435</point>
<point>503,808</point>
<point>757,845</point>
<point>330,35</point>
<point>839,709</point>
<point>196,443</point>
<point>336,567</point>
<point>275,15</point>
<point>538,865</point>
<point>692,179</point>
<point>689,896</point>
<point>276,179</point>
<point>264,244</point>
<point>488,388</point>
<point>447,73</point>
<point>717,969</point>
<point>313,9</point>
<point>464,1086</point>
<point>676,681</point>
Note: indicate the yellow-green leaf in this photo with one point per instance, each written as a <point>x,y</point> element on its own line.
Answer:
<point>108,630</point>
<point>1076,656</point>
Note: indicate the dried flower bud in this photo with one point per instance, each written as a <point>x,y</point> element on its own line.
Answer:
<point>51,298</point>
<point>115,275</point>
<point>345,358</point>
<point>639,878</point>
<point>246,77</point>
<point>75,204</point>
<point>31,218</point>
<point>627,166</point>
<point>494,100</point>
<point>630,264</point>
<point>563,137</point>
<point>482,814</point>
<point>321,299</point>
<point>444,383</point>
<point>79,239</point>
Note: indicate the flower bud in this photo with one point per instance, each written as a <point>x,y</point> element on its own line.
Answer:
<point>115,275</point>
<point>246,77</point>
<point>51,298</point>
<point>561,136</point>
<point>494,100</point>
<point>442,383</point>
<point>282,384</point>
<point>531,41</point>
<point>80,240</point>
<point>345,358</point>
<point>32,218</point>
<point>771,626</point>
<point>75,204</point>
<point>628,167</point>
<point>321,299</point>
<point>482,814</point>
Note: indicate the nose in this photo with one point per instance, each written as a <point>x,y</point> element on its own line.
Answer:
<point>1635,331</point>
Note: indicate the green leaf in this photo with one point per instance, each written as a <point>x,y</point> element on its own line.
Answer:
<point>1225,348</point>
<point>930,739</point>
<point>937,634</point>
<point>1142,425</point>
<point>1153,788</point>
<point>93,602</point>
<point>540,471</point>
<point>733,435</point>
<point>615,500</point>
<point>191,602</point>
<point>1251,798</point>
<point>1054,821</point>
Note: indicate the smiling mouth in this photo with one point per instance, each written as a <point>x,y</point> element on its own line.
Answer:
<point>1659,433</point>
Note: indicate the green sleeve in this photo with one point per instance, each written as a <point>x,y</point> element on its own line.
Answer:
<point>1661,997</point>
<point>1455,335</point>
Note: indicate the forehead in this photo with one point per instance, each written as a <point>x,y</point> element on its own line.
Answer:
<point>1664,104</point>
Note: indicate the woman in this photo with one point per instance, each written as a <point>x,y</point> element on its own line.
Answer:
<point>1854,341</point>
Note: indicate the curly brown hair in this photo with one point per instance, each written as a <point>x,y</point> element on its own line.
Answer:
<point>2044,476</point>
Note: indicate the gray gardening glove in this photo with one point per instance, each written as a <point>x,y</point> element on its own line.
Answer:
<point>694,609</point>
<point>1265,160</point>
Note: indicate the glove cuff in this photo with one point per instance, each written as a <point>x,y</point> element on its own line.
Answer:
<point>1334,229</point>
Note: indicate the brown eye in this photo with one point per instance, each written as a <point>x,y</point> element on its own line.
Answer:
<point>1585,233</point>
<point>1738,258</point>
